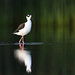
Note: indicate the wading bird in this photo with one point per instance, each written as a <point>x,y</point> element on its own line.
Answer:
<point>24,28</point>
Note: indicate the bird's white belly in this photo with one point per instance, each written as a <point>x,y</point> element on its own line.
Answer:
<point>25,30</point>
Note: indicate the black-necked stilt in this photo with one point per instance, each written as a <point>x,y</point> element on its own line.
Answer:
<point>24,28</point>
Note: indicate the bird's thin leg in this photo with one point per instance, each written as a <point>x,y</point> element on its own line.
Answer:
<point>23,40</point>
<point>20,40</point>
<point>21,46</point>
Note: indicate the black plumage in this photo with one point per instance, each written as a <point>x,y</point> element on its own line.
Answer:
<point>21,26</point>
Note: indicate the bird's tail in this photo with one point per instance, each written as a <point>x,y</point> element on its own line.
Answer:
<point>13,33</point>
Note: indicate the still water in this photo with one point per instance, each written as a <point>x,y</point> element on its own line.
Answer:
<point>44,59</point>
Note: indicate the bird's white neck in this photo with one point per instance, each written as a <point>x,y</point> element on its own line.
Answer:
<point>28,19</point>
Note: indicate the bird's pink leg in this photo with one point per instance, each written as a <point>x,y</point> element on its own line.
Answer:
<point>20,40</point>
<point>23,40</point>
<point>21,46</point>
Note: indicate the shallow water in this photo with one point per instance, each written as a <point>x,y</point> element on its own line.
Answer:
<point>31,43</point>
<point>47,58</point>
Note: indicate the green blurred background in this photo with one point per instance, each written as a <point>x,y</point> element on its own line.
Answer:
<point>53,20</point>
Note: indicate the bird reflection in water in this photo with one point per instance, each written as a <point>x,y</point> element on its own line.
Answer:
<point>24,56</point>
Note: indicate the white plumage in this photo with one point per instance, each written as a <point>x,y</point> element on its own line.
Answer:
<point>24,28</point>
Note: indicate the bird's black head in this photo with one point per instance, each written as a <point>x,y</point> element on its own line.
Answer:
<point>28,17</point>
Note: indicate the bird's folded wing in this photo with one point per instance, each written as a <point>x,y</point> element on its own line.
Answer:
<point>20,27</point>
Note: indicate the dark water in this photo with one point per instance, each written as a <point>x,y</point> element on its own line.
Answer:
<point>47,59</point>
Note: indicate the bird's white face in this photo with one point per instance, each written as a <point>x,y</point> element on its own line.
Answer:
<point>28,17</point>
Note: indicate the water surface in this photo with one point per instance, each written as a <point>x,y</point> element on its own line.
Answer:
<point>47,58</point>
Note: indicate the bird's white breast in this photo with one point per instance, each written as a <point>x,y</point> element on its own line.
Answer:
<point>26,28</point>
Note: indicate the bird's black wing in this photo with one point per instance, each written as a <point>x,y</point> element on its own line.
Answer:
<point>20,27</point>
